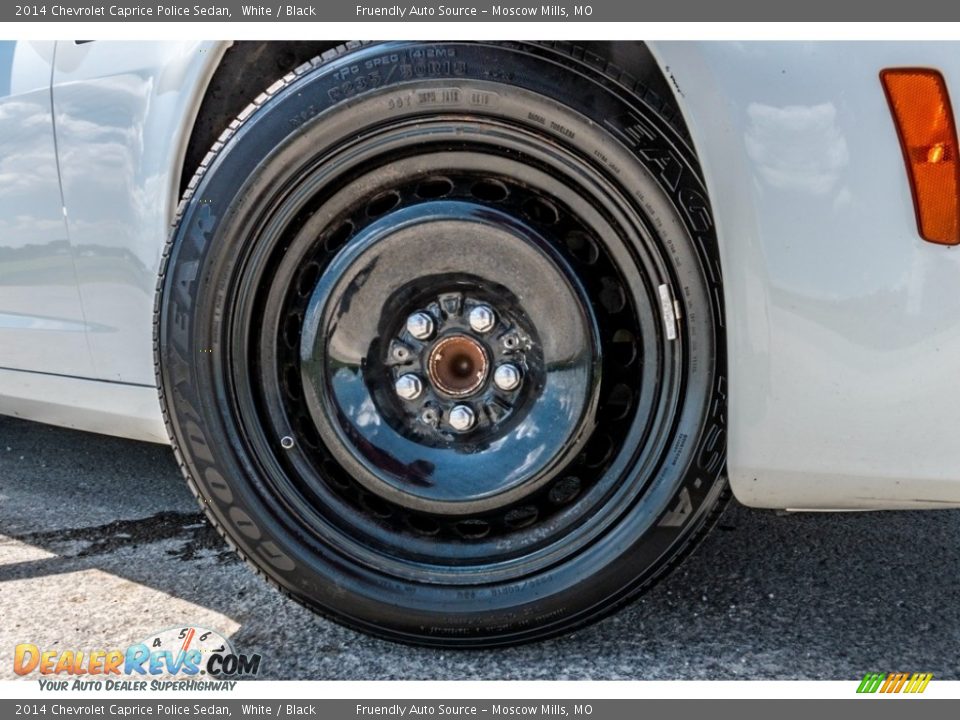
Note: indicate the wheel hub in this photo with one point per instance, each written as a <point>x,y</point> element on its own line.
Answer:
<point>457,366</point>
<point>467,374</point>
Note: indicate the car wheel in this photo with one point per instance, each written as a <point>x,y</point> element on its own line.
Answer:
<point>439,340</point>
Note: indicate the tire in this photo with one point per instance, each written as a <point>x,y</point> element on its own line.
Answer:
<point>382,181</point>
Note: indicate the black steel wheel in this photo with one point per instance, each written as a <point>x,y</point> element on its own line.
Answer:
<point>439,341</point>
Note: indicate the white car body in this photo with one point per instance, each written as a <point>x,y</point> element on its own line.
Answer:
<point>842,324</point>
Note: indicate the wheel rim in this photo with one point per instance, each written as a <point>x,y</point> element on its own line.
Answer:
<point>538,199</point>
<point>355,347</point>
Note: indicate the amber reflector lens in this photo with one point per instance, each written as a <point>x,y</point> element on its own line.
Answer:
<point>921,111</point>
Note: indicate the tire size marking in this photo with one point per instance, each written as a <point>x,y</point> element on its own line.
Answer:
<point>442,97</point>
<point>439,97</point>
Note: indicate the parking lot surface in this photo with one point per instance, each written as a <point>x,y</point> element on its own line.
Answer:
<point>101,544</point>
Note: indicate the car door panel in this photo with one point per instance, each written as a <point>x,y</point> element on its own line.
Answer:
<point>42,324</point>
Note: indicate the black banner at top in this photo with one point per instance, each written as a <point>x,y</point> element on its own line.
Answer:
<point>475,11</point>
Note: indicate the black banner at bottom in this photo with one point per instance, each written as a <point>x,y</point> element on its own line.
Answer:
<point>876,708</point>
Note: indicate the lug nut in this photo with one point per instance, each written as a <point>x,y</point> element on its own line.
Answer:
<point>482,319</point>
<point>420,325</point>
<point>408,386</point>
<point>507,377</point>
<point>461,418</point>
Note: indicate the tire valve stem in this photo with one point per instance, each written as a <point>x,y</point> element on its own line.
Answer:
<point>286,442</point>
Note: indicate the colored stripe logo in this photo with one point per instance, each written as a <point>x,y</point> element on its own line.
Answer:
<point>894,682</point>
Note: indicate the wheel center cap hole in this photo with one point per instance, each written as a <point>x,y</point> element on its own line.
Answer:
<point>457,365</point>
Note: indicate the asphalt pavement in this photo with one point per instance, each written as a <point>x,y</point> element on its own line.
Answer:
<point>101,544</point>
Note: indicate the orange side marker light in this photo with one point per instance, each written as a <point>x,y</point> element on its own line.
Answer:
<point>923,116</point>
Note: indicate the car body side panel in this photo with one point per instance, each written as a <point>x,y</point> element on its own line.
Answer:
<point>124,113</point>
<point>843,325</point>
<point>42,325</point>
<point>130,411</point>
